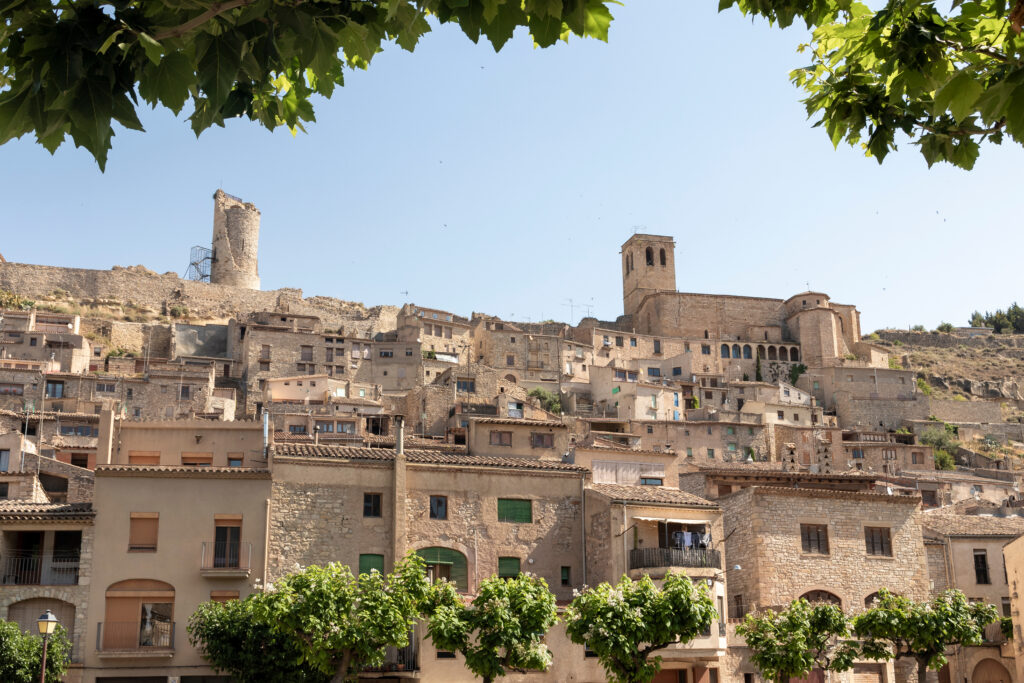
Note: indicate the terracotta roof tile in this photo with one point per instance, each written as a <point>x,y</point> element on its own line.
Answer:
<point>420,456</point>
<point>19,510</point>
<point>953,523</point>
<point>182,470</point>
<point>514,421</point>
<point>651,494</point>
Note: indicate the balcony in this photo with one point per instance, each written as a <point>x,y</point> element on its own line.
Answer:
<point>130,639</point>
<point>398,659</point>
<point>226,560</point>
<point>41,570</point>
<point>646,558</point>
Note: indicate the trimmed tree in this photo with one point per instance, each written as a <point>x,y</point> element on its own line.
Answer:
<point>801,638</point>
<point>21,654</point>
<point>897,627</point>
<point>501,630</point>
<point>337,623</point>
<point>625,624</point>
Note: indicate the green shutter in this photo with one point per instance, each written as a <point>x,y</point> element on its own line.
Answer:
<point>515,510</point>
<point>457,561</point>
<point>368,563</point>
<point>508,567</point>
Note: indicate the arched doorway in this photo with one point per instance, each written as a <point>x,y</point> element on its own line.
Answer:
<point>772,354</point>
<point>510,378</point>
<point>26,612</point>
<point>139,614</point>
<point>783,354</point>
<point>794,355</point>
<point>822,596</point>
<point>990,671</point>
<point>445,563</point>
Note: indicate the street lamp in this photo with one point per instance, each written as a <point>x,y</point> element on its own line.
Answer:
<point>47,623</point>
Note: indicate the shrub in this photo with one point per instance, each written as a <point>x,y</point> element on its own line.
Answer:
<point>895,363</point>
<point>178,311</point>
<point>918,328</point>
<point>923,387</point>
<point>945,327</point>
<point>874,336</point>
<point>548,400</point>
<point>943,460</point>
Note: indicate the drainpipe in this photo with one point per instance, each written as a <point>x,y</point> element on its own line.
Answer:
<point>266,544</point>
<point>625,547</point>
<point>398,493</point>
<point>583,526</point>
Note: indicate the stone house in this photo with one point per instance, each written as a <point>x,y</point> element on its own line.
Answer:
<point>886,452</point>
<point>964,543</point>
<point>43,337</point>
<point>1013,561</point>
<point>506,437</point>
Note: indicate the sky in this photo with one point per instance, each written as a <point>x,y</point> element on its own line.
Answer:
<point>461,179</point>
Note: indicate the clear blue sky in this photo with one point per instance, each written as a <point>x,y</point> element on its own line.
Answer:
<point>505,183</point>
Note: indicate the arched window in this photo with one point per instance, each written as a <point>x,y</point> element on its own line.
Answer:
<point>725,350</point>
<point>760,352</point>
<point>139,615</point>
<point>822,596</point>
<point>869,601</point>
<point>771,353</point>
<point>662,254</point>
<point>445,563</point>
<point>794,355</point>
<point>650,256</point>
<point>26,613</point>
<point>783,354</point>
<point>510,378</point>
<point>747,352</point>
<point>735,350</point>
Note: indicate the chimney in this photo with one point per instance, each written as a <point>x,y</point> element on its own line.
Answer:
<point>399,434</point>
<point>399,494</point>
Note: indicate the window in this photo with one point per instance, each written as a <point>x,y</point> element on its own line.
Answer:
<point>515,510</point>
<point>651,481</point>
<point>234,462</point>
<point>346,428</point>
<point>445,654</point>
<point>654,372</point>
<point>542,440</point>
<point>4,490</point>
<point>387,353</point>
<point>105,388</point>
<point>781,415</point>
<point>878,541</point>
<point>657,346</point>
<point>689,452</point>
<point>814,538</point>
<point>296,429</point>
<point>466,386</point>
<point>80,460</point>
<point>186,392</point>
<point>858,453</point>
<point>711,454</point>
<point>445,563</point>
<point>501,438</point>
<point>730,430</point>
<point>508,567</point>
<point>264,365</point>
<point>54,389</point>
<point>371,505</point>
<point>619,341</point>
<point>632,341</point>
<point>306,353</point>
<point>981,567</point>
<point>916,458</point>
<point>197,459</point>
<point>510,359</point>
<point>324,427</point>
<point>439,507</point>
<point>227,541</point>
<point>223,596</point>
<point>12,389</point>
<point>371,562</point>
<point>1006,607</point>
<point>143,457</point>
<point>566,576</point>
<point>408,351</point>
<point>33,341</point>
<point>142,531</point>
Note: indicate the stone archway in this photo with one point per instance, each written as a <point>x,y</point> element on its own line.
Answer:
<point>990,671</point>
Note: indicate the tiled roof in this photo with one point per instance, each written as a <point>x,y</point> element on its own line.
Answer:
<point>600,444</point>
<point>181,471</point>
<point>419,456</point>
<point>775,469</point>
<point>804,492</point>
<point>952,523</point>
<point>20,510</point>
<point>513,421</point>
<point>651,494</point>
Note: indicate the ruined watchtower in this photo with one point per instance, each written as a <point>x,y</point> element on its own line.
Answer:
<point>236,238</point>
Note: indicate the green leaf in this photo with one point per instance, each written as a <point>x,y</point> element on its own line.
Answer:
<point>597,19</point>
<point>168,82</point>
<point>90,119</point>
<point>154,50</point>
<point>958,95</point>
<point>218,67</point>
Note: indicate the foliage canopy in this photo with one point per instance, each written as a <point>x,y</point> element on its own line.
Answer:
<point>73,67</point>
<point>626,623</point>
<point>21,654</point>
<point>501,630</point>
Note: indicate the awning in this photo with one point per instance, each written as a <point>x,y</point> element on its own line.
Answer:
<point>673,521</point>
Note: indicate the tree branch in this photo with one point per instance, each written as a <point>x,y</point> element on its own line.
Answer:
<point>1017,17</point>
<point>965,132</point>
<point>215,9</point>
<point>986,50</point>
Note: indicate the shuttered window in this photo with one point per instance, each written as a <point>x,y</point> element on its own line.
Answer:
<point>369,562</point>
<point>223,596</point>
<point>142,532</point>
<point>515,510</point>
<point>877,541</point>
<point>814,538</point>
<point>508,567</point>
<point>446,563</point>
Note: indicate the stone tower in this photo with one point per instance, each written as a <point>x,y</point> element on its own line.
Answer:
<point>648,266</point>
<point>236,239</point>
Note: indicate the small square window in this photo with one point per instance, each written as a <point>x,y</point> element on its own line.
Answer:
<point>371,505</point>
<point>439,507</point>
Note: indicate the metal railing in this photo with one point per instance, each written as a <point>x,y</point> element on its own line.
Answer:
<point>400,659</point>
<point>226,555</point>
<point>131,636</point>
<point>40,570</point>
<point>642,558</point>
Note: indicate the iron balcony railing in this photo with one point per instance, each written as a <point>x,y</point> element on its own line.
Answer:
<point>132,636</point>
<point>400,659</point>
<point>41,570</point>
<point>643,558</point>
<point>226,555</point>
